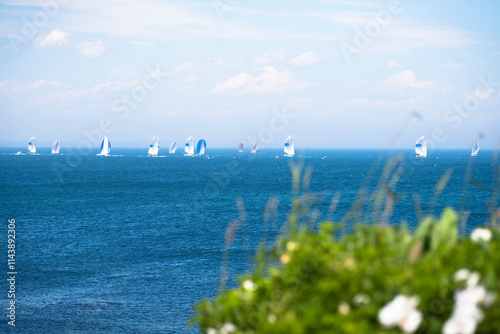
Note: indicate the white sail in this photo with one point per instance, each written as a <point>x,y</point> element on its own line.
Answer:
<point>56,147</point>
<point>154,147</point>
<point>424,149</point>
<point>32,145</point>
<point>200,148</point>
<point>475,149</point>
<point>255,147</point>
<point>421,147</point>
<point>289,147</point>
<point>189,146</point>
<point>105,147</point>
<point>173,147</point>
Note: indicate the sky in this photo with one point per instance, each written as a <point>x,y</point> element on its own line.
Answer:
<point>332,73</point>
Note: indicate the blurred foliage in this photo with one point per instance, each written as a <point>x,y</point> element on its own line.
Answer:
<point>327,278</point>
<point>314,283</point>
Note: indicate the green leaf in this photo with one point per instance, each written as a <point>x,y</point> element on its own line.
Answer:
<point>445,232</point>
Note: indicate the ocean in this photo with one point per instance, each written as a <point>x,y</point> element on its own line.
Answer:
<point>128,244</point>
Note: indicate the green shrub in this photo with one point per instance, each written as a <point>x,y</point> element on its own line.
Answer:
<point>374,278</point>
<point>314,282</point>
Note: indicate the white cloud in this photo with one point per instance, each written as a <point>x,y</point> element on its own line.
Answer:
<point>268,57</point>
<point>91,49</point>
<point>155,20</point>
<point>308,58</point>
<point>214,60</point>
<point>54,38</point>
<point>482,94</point>
<point>103,87</point>
<point>17,88</point>
<point>412,35</point>
<point>399,35</point>
<point>351,3</point>
<point>392,64</point>
<point>184,67</point>
<point>39,84</point>
<point>268,80</point>
<point>346,17</point>
<point>68,91</point>
<point>36,84</point>
<point>403,80</point>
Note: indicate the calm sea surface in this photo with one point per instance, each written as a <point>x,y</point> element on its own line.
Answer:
<point>127,244</point>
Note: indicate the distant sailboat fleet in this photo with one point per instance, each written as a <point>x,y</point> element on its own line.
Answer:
<point>189,148</point>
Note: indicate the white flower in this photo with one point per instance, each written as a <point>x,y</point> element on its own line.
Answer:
<point>466,313</point>
<point>480,234</point>
<point>461,275</point>
<point>459,326</point>
<point>361,299</point>
<point>473,295</point>
<point>402,312</point>
<point>344,308</point>
<point>473,279</point>
<point>228,328</point>
<point>211,330</point>
<point>249,285</point>
<point>411,322</point>
<point>271,318</point>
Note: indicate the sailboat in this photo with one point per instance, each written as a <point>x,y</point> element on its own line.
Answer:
<point>240,148</point>
<point>32,146</point>
<point>105,147</point>
<point>289,147</point>
<point>56,147</point>
<point>475,149</point>
<point>255,147</point>
<point>200,148</point>
<point>154,147</point>
<point>173,147</point>
<point>189,147</point>
<point>421,148</point>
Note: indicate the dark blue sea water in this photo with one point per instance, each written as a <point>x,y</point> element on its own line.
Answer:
<point>127,244</point>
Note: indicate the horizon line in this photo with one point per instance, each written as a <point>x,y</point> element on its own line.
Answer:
<point>260,148</point>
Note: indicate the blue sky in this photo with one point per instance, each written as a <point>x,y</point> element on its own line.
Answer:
<point>334,73</point>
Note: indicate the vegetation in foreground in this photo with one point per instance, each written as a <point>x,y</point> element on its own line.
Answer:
<point>376,279</point>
